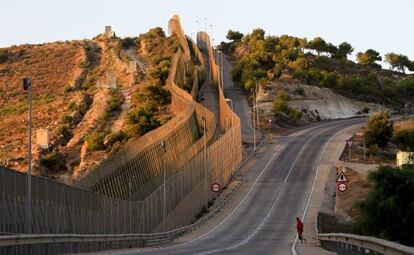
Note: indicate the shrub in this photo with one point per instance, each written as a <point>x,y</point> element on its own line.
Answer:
<point>65,134</point>
<point>95,141</point>
<point>115,101</point>
<point>4,56</point>
<point>66,119</point>
<point>68,89</point>
<point>128,42</point>
<point>159,94</point>
<point>113,138</point>
<point>379,130</point>
<point>280,104</point>
<point>296,115</point>
<point>72,106</point>
<point>54,161</point>
<point>404,139</point>
<point>141,120</point>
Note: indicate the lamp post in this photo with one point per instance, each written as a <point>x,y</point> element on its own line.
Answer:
<point>27,85</point>
<point>205,23</point>
<point>254,121</point>
<point>270,130</point>
<point>203,118</point>
<point>164,190</point>
<point>257,108</point>
<point>228,100</point>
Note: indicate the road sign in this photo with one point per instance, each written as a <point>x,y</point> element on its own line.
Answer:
<point>350,142</point>
<point>341,177</point>
<point>342,187</point>
<point>215,187</point>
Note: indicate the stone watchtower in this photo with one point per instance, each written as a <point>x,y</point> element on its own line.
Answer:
<point>108,32</point>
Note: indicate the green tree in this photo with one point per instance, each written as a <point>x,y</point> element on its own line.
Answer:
<point>369,57</point>
<point>280,104</point>
<point>379,130</point>
<point>344,49</point>
<point>258,34</point>
<point>388,210</point>
<point>398,61</point>
<point>404,139</point>
<point>234,35</point>
<point>318,44</point>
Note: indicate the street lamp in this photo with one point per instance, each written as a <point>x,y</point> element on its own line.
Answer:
<point>27,85</point>
<point>164,190</point>
<point>254,121</point>
<point>257,108</point>
<point>205,23</point>
<point>203,118</point>
<point>228,100</point>
<point>270,129</point>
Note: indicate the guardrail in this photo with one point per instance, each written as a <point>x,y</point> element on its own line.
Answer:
<point>356,244</point>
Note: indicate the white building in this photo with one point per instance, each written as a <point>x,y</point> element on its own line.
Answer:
<point>405,158</point>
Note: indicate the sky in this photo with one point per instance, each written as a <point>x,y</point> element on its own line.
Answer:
<point>383,25</point>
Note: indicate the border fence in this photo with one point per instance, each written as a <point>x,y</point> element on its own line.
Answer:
<point>128,196</point>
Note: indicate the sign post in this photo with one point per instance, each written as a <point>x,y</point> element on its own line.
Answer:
<point>349,142</point>
<point>341,181</point>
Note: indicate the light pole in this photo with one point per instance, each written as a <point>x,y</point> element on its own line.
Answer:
<point>211,34</point>
<point>254,121</point>
<point>203,118</point>
<point>205,23</point>
<point>228,100</point>
<point>164,190</point>
<point>270,129</point>
<point>257,109</point>
<point>221,64</point>
<point>27,85</point>
<point>198,26</point>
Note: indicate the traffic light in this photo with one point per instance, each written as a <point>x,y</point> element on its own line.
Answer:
<point>27,82</point>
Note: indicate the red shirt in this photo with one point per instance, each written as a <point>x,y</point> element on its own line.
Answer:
<point>299,226</point>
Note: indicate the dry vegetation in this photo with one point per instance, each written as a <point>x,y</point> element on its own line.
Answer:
<point>69,101</point>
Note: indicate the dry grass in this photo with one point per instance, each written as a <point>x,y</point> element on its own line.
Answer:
<point>358,188</point>
<point>52,66</point>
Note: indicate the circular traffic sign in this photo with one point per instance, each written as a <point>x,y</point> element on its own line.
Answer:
<point>215,187</point>
<point>342,187</point>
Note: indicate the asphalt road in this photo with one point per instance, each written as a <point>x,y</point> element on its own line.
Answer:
<point>277,187</point>
<point>240,104</point>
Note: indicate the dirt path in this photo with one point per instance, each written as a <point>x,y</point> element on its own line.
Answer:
<point>119,122</point>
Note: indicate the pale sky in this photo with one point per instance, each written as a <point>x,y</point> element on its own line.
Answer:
<point>383,25</point>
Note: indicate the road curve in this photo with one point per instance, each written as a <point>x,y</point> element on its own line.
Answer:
<point>278,186</point>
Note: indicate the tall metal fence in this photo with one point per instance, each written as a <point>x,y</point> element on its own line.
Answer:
<point>59,208</point>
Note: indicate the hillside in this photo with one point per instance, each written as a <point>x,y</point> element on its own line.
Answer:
<point>300,80</point>
<point>91,95</point>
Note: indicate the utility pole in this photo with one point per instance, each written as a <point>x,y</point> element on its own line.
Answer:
<point>164,211</point>
<point>27,85</point>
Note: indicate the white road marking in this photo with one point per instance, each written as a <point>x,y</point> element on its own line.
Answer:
<point>293,247</point>
<point>267,216</point>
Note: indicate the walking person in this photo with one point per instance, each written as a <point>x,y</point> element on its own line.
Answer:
<point>299,228</point>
